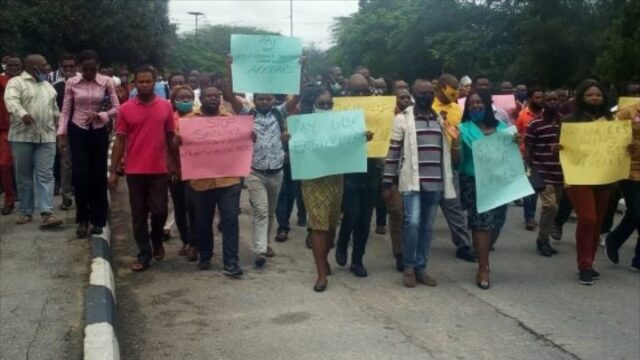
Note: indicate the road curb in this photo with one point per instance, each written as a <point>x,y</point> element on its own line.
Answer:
<point>100,340</point>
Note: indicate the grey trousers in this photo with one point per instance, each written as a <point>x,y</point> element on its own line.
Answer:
<point>453,213</point>
<point>263,196</point>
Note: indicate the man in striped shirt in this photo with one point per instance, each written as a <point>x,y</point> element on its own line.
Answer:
<point>541,153</point>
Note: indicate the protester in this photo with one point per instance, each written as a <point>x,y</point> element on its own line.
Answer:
<point>478,121</point>
<point>359,198</point>
<point>482,82</point>
<point>465,87</point>
<point>589,201</point>
<point>182,99</point>
<point>531,111</point>
<point>12,66</point>
<point>631,192</point>
<point>506,88</point>
<point>145,126</point>
<point>290,194</point>
<point>31,101</point>
<point>541,141</point>
<point>400,85</point>
<point>89,102</point>
<point>446,105</point>
<point>418,137</point>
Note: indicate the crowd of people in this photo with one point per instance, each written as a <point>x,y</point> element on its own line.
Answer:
<point>56,129</point>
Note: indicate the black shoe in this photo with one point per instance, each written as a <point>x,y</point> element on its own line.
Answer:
<point>66,204</point>
<point>399,263</point>
<point>319,287</point>
<point>465,253</point>
<point>611,251</point>
<point>204,265</point>
<point>233,270</point>
<point>543,248</point>
<point>341,254</point>
<point>552,249</point>
<point>302,223</point>
<point>97,230</point>
<point>260,261</point>
<point>359,270</point>
<point>586,277</point>
<point>594,274</point>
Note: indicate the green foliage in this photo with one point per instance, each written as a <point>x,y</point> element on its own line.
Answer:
<point>122,31</point>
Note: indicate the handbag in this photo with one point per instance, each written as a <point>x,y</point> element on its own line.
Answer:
<point>536,181</point>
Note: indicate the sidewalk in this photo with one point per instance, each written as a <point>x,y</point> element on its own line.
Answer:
<point>42,280</point>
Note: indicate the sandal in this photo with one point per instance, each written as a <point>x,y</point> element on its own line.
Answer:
<point>139,266</point>
<point>82,230</point>
<point>158,253</point>
<point>282,236</point>
<point>6,210</point>
<point>483,284</point>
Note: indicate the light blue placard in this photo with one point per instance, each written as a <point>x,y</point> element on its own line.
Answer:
<point>266,64</point>
<point>327,143</point>
<point>500,174</point>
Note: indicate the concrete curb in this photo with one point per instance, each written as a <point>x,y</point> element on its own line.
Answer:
<point>100,340</point>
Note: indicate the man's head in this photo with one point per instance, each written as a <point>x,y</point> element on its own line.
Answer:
<point>521,93</point>
<point>465,87</point>
<point>422,91</point>
<point>563,95</point>
<point>263,102</point>
<point>68,66</point>
<point>551,102</point>
<point>447,89</point>
<point>506,87</point>
<point>336,74</point>
<point>399,85</point>
<point>380,85</point>
<point>176,79</point>
<point>536,98</point>
<point>89,62</point>
<point>145,80</point>
<point>210,98</point>
<point>205,80</point>
<point>358,85</point>
<point>193,81</point>
<point>124,75</point>
<point>403,99</point>
<point>362,70</point>
<point>13,65</point>
<point>182,98</point>
<point>481,82</point>
<point>36,65</point>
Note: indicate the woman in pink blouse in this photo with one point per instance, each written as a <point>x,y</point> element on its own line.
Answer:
<point>90,100</point>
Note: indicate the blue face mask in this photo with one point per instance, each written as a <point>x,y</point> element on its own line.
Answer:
<point>184,107</point>
<point>41,76</point>
<point>477,116</point>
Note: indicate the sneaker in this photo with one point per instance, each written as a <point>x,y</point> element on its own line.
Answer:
<point>24,219</point>
<point>594,274</point>
<point>260,261</point>
<point>66,204</point>
<point>233,270</point>
<point>634,268</point>
<point>409,278</point>
<point>585,277</point>
<point>359,270</point>
<point>424,279</point>
<point>603,239</point>
<point>544,248</point>
<point>399,263</point>
<point>204,265</point>
<point>465,253</point>
<point>49,221</point>
<point>611,251</point>
<point>556,233</point>
<point>531,225</point>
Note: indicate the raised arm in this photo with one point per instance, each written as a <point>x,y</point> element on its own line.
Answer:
<point>292,103</point>
<point>227,91</point>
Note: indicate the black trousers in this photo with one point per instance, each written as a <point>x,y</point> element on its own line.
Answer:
<point>358,203</point>
<point>148,195</point>
<point>185,219</point>
<point>89,150</point>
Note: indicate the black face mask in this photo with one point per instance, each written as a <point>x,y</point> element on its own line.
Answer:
<point>551,109</point>
<point>263,111</point>
<point>593,109</point>
<point>535,106</point>
<point>423,102</point>
<point>521,96</point>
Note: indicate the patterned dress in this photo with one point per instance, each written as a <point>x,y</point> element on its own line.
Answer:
<point>323,200</point>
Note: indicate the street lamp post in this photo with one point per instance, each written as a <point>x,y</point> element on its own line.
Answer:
<point>196,14</point>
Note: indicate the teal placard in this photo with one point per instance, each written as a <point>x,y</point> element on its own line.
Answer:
<point>500,173</point>
<point>327,143</point>
<point>266,64</point>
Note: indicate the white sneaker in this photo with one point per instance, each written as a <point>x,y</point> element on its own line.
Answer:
<point>603,238</point>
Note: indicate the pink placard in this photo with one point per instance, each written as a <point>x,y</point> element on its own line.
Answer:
<point>214,147</point>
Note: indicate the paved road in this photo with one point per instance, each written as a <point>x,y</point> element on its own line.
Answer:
<point>534,310</point>
<point>42,279</point>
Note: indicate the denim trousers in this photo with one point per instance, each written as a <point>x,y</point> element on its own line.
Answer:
<point>34,163</point>
<point>420,209</point>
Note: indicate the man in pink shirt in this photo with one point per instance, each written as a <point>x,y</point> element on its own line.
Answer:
<point>145,124</point>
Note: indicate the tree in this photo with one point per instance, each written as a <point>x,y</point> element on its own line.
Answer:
<point>122,31</point>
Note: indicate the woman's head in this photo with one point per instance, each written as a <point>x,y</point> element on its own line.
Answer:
<point>182,98</point>
<point>591,98</point>
<point>323,101</point>
<point>89,62</point>
<point>478,108</point>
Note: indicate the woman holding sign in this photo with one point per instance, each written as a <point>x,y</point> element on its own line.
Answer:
<point>478,121</point>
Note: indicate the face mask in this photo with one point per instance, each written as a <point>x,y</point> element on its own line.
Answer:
<point>264,111</point>
<point>450,93</point>
<point>551,109</point>
<point>535,106</point>
<point>423,101</point>
<point>40,76</point>
<point>184,107</point>
<point>521,96</point>
<point>477,116</point>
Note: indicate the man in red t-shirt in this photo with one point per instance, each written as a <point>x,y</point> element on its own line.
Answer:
<point>145,124</point>
<point>14,67</point>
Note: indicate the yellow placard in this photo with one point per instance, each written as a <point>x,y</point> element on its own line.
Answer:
<point>595,153</point>
<point>378,112</point>
<point>626,101</point>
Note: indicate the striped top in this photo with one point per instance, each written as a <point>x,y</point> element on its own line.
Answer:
<point>540,136</point>
<point>429,143</point>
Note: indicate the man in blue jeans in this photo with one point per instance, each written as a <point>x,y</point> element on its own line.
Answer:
<point>425,177</point>
<point>290,193</point>
<point>31,102</point>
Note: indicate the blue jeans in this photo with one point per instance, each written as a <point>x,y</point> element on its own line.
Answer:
<point>529,206</point>
<point>631,220</point>
<point>34,161</point>
<point>420,209</point>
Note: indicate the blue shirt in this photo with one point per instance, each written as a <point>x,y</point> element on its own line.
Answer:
<point>268,152</point>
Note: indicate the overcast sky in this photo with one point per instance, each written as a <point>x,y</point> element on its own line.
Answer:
<point>312,19</point>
